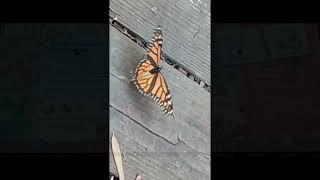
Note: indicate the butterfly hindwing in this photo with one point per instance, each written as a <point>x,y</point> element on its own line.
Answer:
<point>161,94</point>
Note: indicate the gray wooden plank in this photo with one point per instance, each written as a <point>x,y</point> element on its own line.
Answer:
<point>191,102</point>
<point>150,155</point>
<point>185,24</point>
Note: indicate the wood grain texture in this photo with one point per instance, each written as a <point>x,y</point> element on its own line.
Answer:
<point>185,24</point>
<point>191,102</point>
<point>147,154</point>
<point>142,120</point>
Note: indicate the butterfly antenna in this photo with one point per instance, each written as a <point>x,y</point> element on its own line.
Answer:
<point>157,28</point>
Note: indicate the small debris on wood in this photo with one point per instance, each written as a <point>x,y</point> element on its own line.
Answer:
<point>202,83</point>
<point>183,71</point>
<point>138,177</point>
<point>124,31</point>
<point>196,32</point>
<point>139,42</point>
<point>113,177</point>
<point>176,66</point>
<point>154,9</point>
<point>117,156</point>
<point>123,157</point>
<point>207,87</point>
<point>114,19</point>
<point>192,78</point>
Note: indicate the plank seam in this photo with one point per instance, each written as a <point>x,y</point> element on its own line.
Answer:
<point>202,154</point>
<point>113,21</point>
<point>157,135</point>
<point>184,143</point>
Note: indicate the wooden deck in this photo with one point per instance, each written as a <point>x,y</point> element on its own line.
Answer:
<point>185,24</point>
<point>156,146</point>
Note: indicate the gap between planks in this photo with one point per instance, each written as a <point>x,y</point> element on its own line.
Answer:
<point>143,43</point>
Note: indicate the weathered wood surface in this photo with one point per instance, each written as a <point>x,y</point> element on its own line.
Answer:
<point>185,24</point>
<point>148,154</point>
<point>140,126</point>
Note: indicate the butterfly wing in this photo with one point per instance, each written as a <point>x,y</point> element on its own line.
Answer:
<point>152,58</point>
<point>161,94</point>
<point>155,48</point>
<point>153,85</point>
<point>142,78</point>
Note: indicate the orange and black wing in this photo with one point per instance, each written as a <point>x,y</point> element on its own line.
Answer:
<point>161,93</point>
<point>155,48</point>
<point>153,85</point>
<point>142,78</point>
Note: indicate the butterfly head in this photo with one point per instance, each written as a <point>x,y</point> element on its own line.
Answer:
<point>155,70</point>
<point>158,31</point>
<point>158,69</point>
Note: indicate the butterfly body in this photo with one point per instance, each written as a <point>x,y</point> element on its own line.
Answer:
<point>155,70</point>
<point>147,76</point>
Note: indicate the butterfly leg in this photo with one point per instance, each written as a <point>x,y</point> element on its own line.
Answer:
<point>172,114</point>
<point>162,56</point>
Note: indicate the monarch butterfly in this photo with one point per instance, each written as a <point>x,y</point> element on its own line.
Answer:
<point>147,76</point>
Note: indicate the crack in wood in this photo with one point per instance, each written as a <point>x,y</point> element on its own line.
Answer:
<point>157,135</point>
<point>135,121</point>
<point>184,143</point>
<point>180,141</point>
